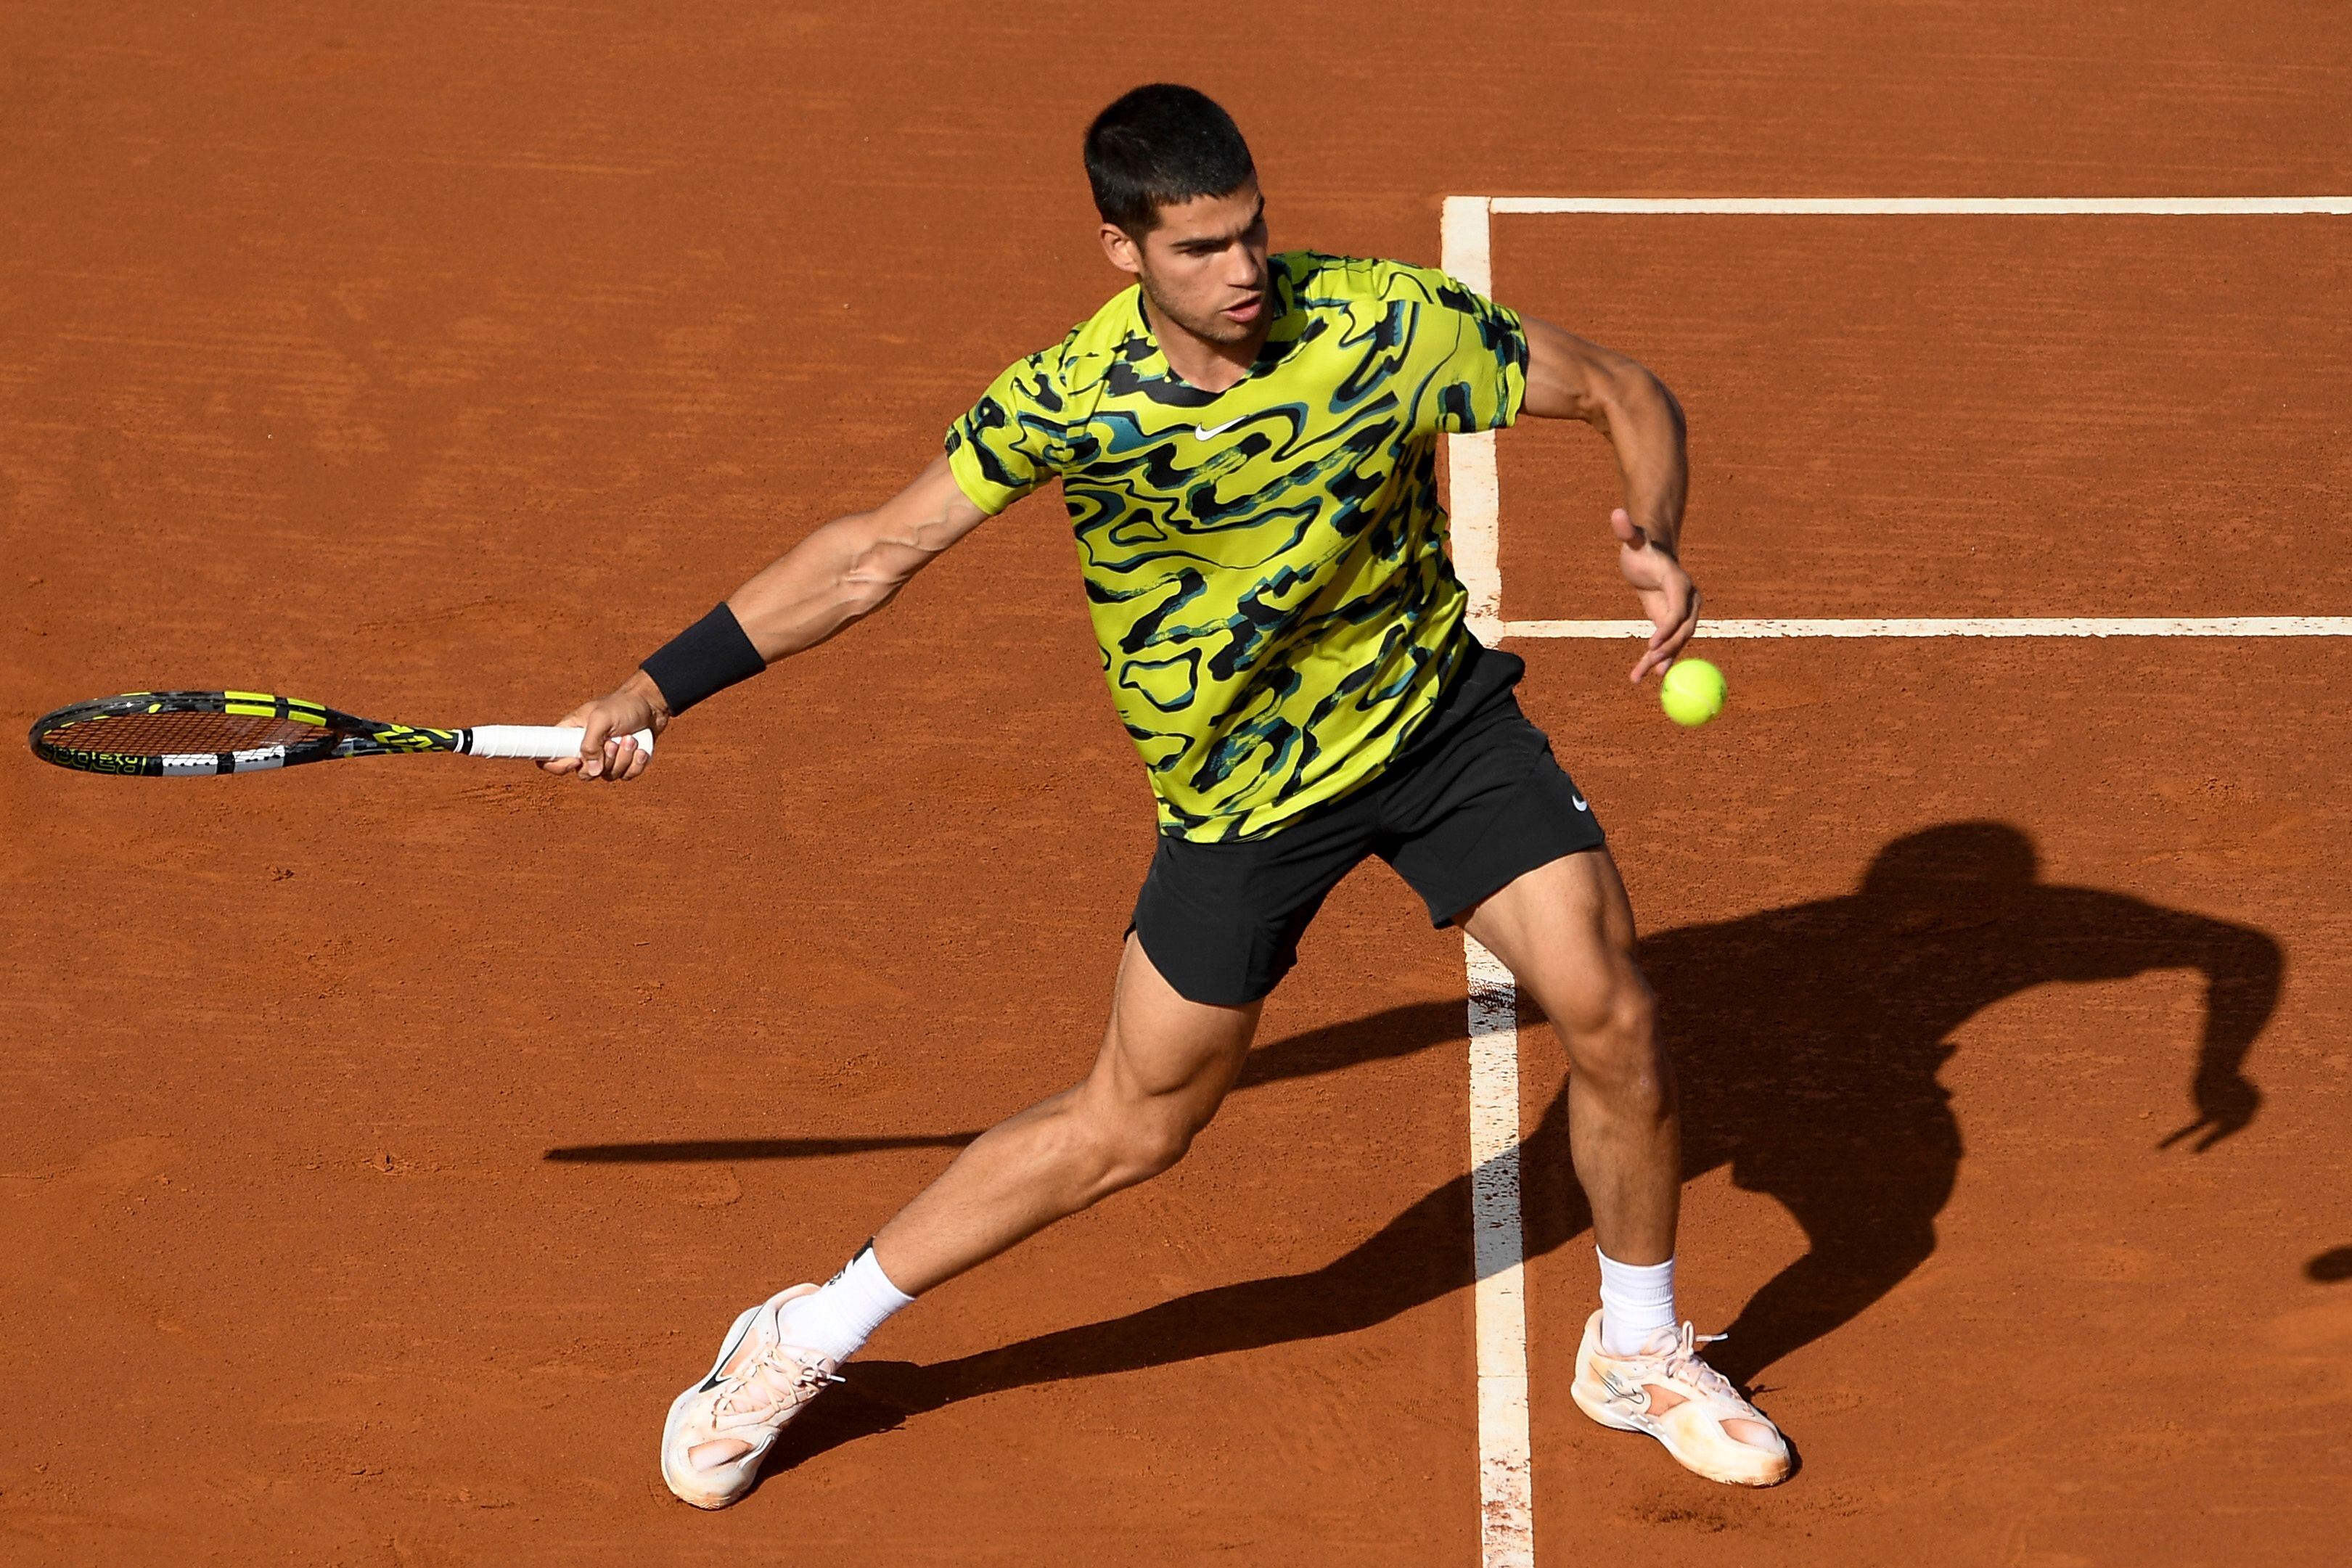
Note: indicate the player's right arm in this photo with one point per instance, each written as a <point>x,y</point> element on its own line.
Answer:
<point>843,571</point>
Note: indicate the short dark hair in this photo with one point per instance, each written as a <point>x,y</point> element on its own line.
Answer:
<point>1159,145</point>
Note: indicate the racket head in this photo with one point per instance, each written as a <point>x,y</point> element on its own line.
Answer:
<point>159,735</point>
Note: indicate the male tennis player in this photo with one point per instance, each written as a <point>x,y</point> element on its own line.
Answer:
<point>1246,443</point>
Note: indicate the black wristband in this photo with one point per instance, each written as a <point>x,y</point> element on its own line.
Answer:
<point>706,658</point>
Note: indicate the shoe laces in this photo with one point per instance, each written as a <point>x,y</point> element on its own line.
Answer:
<point>1685,1365</point>
<point>775,1380</point>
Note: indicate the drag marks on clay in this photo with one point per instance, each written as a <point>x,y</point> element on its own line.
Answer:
<point>2298,1367</point>
<point>2326,1327</point>
<point>120,1167</point>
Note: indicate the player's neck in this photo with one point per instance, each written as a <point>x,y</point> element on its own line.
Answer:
<point>1201,362</point>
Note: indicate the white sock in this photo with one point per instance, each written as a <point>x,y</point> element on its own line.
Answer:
<point>844,1313</point>
<point>1636,1300</point>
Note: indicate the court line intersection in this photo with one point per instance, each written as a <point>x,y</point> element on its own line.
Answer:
<point>1506,1489</point>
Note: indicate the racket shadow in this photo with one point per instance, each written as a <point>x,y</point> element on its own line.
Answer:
<point>1401,1031</point>
<point>688,1151</point>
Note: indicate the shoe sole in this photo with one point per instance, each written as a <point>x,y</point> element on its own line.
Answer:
<point>1593,1398</point>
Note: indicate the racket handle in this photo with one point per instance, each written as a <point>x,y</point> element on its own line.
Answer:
<point>539,742</point>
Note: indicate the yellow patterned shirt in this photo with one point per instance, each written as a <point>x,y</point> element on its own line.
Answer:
<point>1266,565</point>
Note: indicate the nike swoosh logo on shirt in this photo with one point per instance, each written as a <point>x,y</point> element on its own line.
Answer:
<point>1579,803</point>
<point>1206,431</point>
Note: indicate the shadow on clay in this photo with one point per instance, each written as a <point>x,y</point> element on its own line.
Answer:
<point>1807,1038</point>
<point>2330,1267</point>
<point>690,1151</point>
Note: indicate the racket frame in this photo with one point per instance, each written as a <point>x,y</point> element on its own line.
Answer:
<point>342,734</point>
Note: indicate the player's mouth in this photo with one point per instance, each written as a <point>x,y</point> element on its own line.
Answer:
<point>1247,311</point>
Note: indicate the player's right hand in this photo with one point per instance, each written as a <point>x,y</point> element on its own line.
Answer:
<point>1667,595</point>
<point>608,726</point>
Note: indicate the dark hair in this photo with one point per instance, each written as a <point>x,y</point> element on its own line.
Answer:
<point>1159,145</point>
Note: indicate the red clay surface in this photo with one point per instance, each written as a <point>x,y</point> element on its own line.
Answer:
<point>1962,415</point>
<point>385,1144</point>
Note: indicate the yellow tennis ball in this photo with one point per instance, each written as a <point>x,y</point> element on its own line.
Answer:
<point>1692,691</point>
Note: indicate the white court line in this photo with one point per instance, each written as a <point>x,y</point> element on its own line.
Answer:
<point>1473,488</point>
<point>1506,1528</point>
<point>1506,1479</point>
<point>1926,207</point>
<point>2052,626</point>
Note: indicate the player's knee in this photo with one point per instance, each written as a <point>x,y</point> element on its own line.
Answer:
<point>1612,1019</point>
<point>1155,1144</point>
<point>1137,1142</point>
<point>1613,1042</point>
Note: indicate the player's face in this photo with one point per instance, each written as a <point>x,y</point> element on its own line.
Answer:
<point>1203,265</point>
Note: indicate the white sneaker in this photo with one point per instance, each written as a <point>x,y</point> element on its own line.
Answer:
<point>1668,1391</point>
<point>719,1429</point>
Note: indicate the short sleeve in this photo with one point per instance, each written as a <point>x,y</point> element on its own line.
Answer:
<point>1013,440</point>
<point>1476,375</point>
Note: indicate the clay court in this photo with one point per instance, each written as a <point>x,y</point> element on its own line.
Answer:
<point>384,1143</point>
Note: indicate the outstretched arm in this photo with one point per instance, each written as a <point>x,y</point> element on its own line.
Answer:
<point>843,571</point>
<point>1569,378</point>
<point>2241,969</point>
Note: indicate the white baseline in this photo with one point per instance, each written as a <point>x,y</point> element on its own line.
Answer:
<point>2047,626</point>
<point>1928,206</point>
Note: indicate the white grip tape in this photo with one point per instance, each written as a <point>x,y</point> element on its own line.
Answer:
<point>539,742</point>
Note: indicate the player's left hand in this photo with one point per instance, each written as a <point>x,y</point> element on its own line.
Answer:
<point>1669,596</point>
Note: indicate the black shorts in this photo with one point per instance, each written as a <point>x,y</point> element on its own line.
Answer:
<point>1473,804</point>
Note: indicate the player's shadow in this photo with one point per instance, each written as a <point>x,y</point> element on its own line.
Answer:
<point>1808,1040</point>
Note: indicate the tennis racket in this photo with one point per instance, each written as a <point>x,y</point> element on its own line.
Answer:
<point>167,735</point>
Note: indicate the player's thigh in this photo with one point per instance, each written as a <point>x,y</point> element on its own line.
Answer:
<point>1565,930</point>
<point>1163,1054</point>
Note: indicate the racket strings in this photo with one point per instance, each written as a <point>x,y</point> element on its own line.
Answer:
<point>180,734</point>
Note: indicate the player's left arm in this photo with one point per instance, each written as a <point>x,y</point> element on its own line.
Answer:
<point>1569,378</point>
<point>2243,968</point>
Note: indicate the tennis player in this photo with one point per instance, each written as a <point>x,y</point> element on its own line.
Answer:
<point>1247,442</point>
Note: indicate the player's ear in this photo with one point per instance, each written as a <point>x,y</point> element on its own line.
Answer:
<point>1126,252</point>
